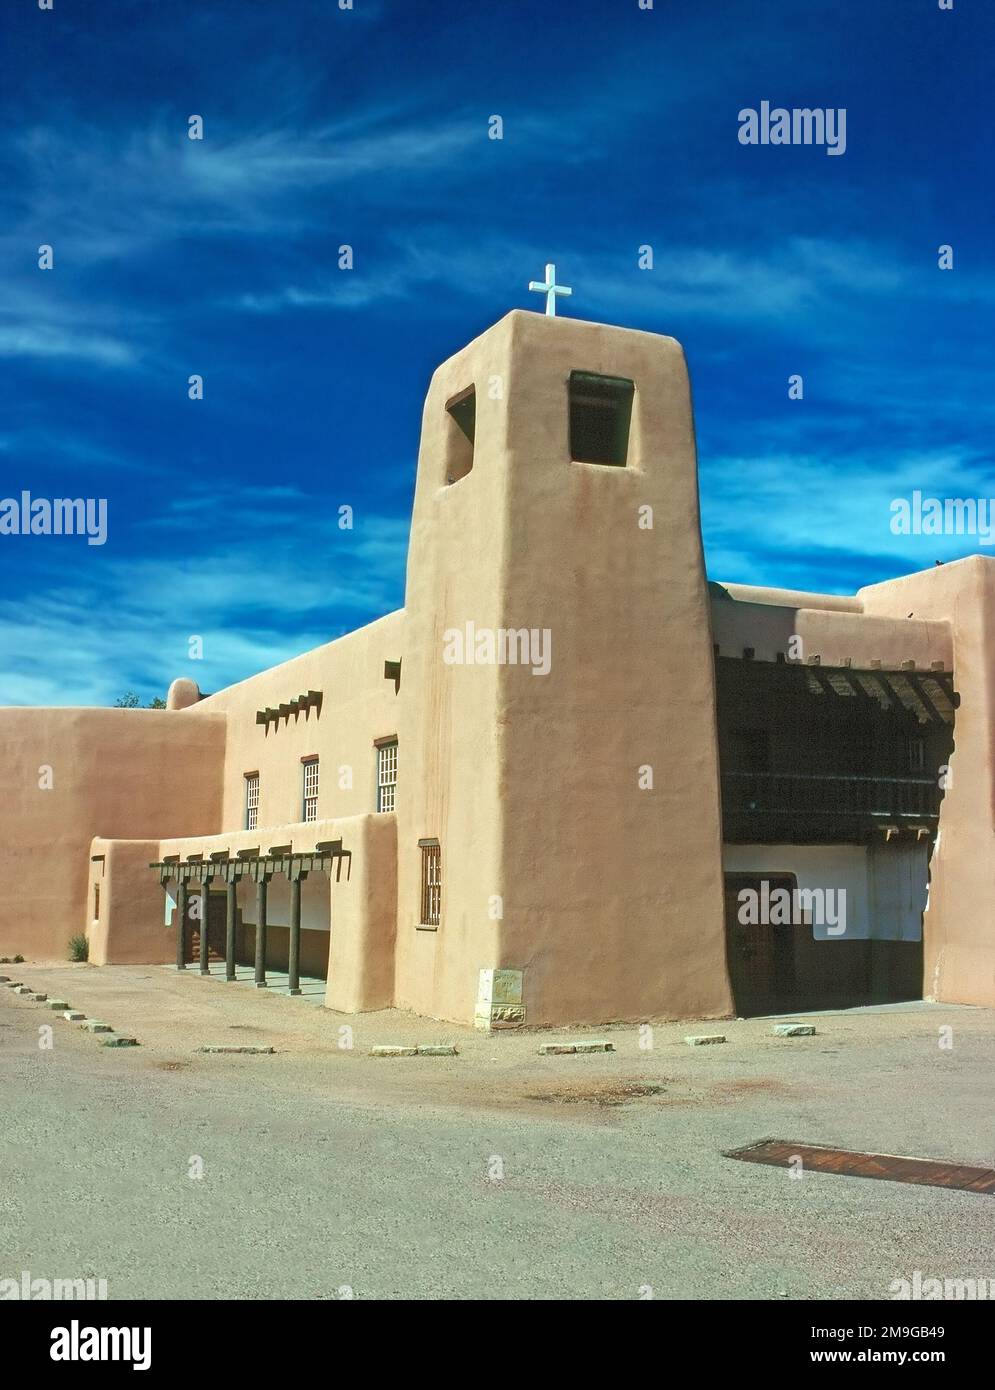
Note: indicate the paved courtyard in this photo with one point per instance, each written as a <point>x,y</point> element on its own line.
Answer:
<point>495,1174</point>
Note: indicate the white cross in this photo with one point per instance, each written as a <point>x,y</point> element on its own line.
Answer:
<point>550,289</point>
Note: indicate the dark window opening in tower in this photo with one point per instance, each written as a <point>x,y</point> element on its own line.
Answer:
<point>600,416</point>
<point>462,411</point>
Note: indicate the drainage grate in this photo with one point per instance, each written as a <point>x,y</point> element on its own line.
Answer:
<point>927,1172</point>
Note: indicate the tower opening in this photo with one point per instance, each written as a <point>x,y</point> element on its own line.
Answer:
<point>462,410</point>
<point>600,416</point>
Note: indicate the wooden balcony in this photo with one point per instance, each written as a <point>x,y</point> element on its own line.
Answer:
<point>814,808</point>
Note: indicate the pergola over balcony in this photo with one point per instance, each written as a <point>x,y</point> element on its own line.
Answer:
<point>814,754</point>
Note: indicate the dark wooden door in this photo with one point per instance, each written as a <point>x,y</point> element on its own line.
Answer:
<point>760,955</point>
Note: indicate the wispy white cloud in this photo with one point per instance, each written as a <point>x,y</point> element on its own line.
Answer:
<point>64,445</point>
<point>108,195</point>
<point>49,341</point>
<point>802,282</point>
<point>122,624</point>
<point>107,199</point>
<point>769,515</point>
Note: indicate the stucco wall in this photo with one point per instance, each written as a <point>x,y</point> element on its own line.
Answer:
<point>114,773</point>
<point>610,896</point>
<point>364,917</point>
<point>613,889</point>
<point>358,706</point>
<point>129,927</point>
<point>885,885</point>
<point>836,638</point>
<point>452,783</point>
<point>959,926</point>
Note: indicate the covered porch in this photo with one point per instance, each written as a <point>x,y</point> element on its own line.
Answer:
<point>208,891</point>
<point>300,908</point>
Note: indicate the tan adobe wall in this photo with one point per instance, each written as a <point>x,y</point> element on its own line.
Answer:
<point>114,772</point>
<point>611,896</point>
<point>836,638</point>
<point>791,598</point>
<point>358,706</point>
<point>449,732</point>
<point>613,893</point>
<point>125,906</point>
<point>959,924</point>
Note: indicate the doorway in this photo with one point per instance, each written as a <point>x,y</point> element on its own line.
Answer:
<point>761,955</point>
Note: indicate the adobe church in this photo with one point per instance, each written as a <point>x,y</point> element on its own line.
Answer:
<point>556,818</point>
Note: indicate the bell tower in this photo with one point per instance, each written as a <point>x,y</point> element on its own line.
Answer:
<point>559,715</point>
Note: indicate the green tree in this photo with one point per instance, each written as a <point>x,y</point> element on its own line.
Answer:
<point>129,700</point>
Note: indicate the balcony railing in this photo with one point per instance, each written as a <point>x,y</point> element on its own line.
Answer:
<point>830,795</point>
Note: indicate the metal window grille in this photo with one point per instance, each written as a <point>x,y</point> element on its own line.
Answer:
<point>311,790</point>
<point>431,885</point>
<point>251,802</point>
<point>386,776</point>
<point>96,901</point>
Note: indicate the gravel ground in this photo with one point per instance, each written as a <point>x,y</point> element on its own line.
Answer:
<point>496,1174</point>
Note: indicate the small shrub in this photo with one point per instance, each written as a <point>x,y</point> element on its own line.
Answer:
<point>18,960</point>
<point>79,947</point>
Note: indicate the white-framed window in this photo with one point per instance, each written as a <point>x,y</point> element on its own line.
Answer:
<point>431,883</point>
<point>310,789</point>
<point>386,775</point>
<point>251,800</point>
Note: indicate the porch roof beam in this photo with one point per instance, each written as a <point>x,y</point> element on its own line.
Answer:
<point>294,865</point>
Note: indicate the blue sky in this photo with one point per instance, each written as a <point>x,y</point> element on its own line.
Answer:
<point>370,127</point>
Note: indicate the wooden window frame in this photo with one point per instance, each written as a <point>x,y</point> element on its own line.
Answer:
<point>251,816</point>
<point>309,798</point>
<point>386,790</point>
<point>430,913</point>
